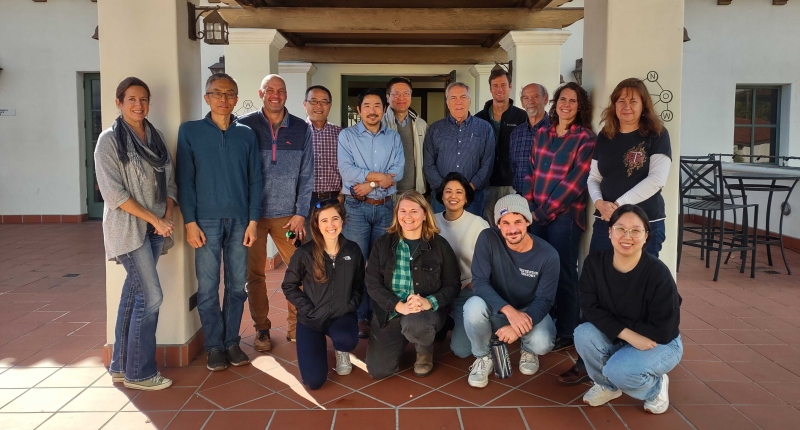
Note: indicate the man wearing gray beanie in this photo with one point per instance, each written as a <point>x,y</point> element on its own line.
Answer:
<point>514,278</point>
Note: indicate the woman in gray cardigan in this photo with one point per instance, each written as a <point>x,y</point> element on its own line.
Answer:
<point>136,177</point>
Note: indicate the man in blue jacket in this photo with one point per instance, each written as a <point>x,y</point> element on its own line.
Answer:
<point>287,164</point>
<point>219,181</point>
<point>514,278</point>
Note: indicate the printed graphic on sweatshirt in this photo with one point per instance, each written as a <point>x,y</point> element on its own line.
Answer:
<point>635,158</point>
<point>528,273</point>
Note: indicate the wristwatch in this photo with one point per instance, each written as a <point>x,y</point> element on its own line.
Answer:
<point>373,184</point>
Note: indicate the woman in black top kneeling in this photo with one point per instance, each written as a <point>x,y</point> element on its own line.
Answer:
<point>631,305</point>
<point>412,278</point>
<point>331,270</point>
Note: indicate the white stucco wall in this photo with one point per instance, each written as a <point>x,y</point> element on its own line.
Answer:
<point>46,49</point>
<point>572,49</point>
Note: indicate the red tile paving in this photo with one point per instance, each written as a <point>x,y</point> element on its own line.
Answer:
<point>740,370</point>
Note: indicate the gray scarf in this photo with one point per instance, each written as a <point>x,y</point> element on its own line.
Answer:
<point>154,152</point>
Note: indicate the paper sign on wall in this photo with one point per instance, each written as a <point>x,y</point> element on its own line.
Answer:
<point>8,112</point>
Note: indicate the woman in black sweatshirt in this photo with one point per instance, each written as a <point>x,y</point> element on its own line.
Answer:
<point>632,308</point>
<point>331,270</point>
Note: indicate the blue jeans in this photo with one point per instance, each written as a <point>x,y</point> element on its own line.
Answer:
<point>364,224</point>
<point>459,342</point>
<point>601,241</point>
<point>137,317</point>
<point>312,348</point>
<point>475,208</point>
<point>480,323</point>
<point>565,236</point>
<point>224,239</point>
<point>621,366</point>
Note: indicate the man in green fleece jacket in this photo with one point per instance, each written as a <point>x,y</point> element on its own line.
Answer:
<point>219,182</point>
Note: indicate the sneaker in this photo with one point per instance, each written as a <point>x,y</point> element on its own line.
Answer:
<point>528,363</point>
<point>216,361</point>
<point>343,365</point>
<point>363,330</point>
<point>563,343</point>
<point>236,356</point>
<point>117,376</point>
<point>574,376</point>
<point>480,370</point>
<point>424,365</point>
<point>660,403</point>
<point>599,396</point>
<point>155,383</point>
<point>263,342</point>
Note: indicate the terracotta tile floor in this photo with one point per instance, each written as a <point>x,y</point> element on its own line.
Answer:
<point>740,370</point>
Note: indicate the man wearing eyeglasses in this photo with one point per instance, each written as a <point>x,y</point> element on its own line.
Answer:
<point>219,177</point>
<point>400,118</point>
<point>287,164</point>
<point>325,139</point>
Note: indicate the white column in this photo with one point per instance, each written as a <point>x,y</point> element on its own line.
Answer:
<point>298,79</point>
<point>251,55</point>
<point>649,47</point>
<point>481,93</point>
<point>165,59</point>
<point>537,58</point>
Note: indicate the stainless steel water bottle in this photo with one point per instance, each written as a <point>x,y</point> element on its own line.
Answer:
<point>502,361</point>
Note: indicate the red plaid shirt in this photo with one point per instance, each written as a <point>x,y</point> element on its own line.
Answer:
<point>558,171</point>
<point>326,166</point>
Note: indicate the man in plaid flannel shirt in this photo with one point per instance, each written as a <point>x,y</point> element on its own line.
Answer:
<point>325,140</point>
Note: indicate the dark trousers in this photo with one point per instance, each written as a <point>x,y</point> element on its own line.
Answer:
<point>312,348</point>
<point>387,343</point>
<point>565,236</point>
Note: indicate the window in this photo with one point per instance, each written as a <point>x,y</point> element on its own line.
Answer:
<point>756,124</point>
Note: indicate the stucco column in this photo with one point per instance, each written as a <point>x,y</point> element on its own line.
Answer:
<point>298,79</point>
<point>649,47</point>
<point>251,54</point>
<point>165,59</point>
<point>537,58</point>
<point>481,93</point>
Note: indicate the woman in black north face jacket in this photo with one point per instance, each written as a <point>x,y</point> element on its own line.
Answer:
<point>331,270</point>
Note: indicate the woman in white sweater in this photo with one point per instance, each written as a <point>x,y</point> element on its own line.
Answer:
<point>461,229</point>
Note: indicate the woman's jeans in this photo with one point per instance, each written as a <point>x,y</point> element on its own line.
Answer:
<point>312,347</point>
<point>621,366</point>
<point>601,241</point>
<point>135,344</point>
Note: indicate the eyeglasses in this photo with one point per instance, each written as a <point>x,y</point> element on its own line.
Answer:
<point>318,102</point>
<point>634,232</point>
<point>230,95</point>
<point>327,202</point>
<point>404,95</point>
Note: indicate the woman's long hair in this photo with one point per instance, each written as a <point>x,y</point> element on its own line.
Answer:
<point>649,122</point>
<point>584,115</point>
<point>318,240</point>
<point>429,227</point>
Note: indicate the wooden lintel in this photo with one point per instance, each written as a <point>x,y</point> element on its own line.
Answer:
<point>367,20</point>
<point>779,2</point>
<point>292,40</point>
<point>723,2</point>
<point>493,41</point>
<point>393,55</point>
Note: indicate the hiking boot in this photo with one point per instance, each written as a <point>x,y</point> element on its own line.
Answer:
<point>480,370</point>
<point>155,383</point>
<point>262,343</point>
<point>574,376</point>
<point>216,361</point>
<point>660,403</point>
<point>117,376</point>
<point>424,365</point>
<point>343,365</point>
<point>236,356</point>
<point>363,330</point>
<point>563,343</point>
<point>528,363</point>
<point>599,396</point>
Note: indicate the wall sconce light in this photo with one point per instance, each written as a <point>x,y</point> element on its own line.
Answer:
<point>215,28</point>
<point>218,67</point>
<point>578,72</point>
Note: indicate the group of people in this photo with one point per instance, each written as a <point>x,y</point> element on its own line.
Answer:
<point>492,256</point>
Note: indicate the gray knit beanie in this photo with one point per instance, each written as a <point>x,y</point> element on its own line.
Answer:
<point>512,203</point>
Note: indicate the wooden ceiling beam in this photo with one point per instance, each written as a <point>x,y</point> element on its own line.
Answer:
<point>368,20</point>
<point>779,2</point>
<point>723,2</point>
<point>493,41</point>
<point>393,55</point>
<point>292,39</point>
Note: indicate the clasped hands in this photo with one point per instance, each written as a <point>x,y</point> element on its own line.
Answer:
<point>606,209</point>
<point>413,304</point>
<point>519,323</point>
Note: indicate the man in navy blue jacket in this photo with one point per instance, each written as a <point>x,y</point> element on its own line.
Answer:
<point>219,181</point>
<point>514,278</point>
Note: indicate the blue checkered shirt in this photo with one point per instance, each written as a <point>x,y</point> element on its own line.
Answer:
<point>520,149</point>
<point>467,149</point>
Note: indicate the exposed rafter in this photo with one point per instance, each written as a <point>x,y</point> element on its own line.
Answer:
<point>292,39</point>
